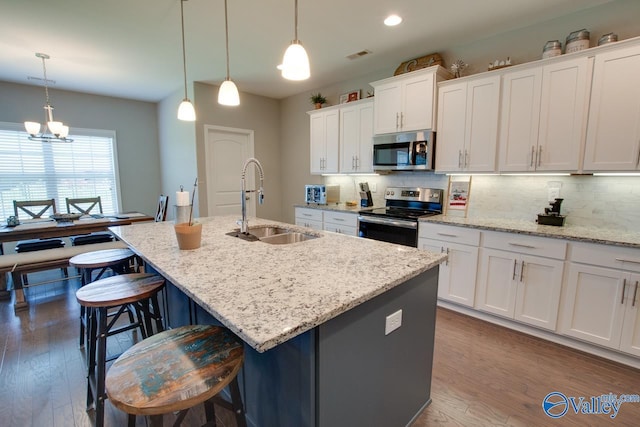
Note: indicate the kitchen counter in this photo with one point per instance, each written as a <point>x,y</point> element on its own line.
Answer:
<point>569,232</point>
<point>315,317</point>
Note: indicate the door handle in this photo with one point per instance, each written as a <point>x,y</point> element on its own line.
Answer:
<point>539,155</point>
<point>533,153</point>
<point>397,119</point>
<point>635,294</point>
<point>521,271</point>
<point>624,286</point>
<point>459,159</point>
<point>515,262</point>
<point>401,120</point>
<point>466,159</point>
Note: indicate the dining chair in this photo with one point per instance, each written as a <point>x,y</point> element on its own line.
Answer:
<point>84,206</point>
<point>35,209</point>
<point>161,211</point>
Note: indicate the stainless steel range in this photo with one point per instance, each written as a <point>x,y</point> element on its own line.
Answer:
<point>397,222</point>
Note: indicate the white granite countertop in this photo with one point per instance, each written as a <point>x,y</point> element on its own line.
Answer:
<point>569,232</point>
<point>265,293</point>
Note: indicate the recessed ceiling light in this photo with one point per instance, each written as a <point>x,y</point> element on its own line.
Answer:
<point>392,20</point>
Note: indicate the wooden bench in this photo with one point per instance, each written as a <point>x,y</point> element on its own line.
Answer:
<point>31,262</point>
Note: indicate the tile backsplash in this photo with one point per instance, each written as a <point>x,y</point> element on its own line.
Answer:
<point>604,202</point>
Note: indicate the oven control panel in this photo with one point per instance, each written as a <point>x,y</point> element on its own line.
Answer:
<point>433,195</point>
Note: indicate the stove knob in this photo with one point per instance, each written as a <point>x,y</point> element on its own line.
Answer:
<point>388,192</point>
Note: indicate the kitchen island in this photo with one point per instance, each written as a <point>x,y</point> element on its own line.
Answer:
<point>313,316</point>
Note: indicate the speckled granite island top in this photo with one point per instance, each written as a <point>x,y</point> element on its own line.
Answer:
<point>339,207</point>
<point>266,293</point>
<point>569,232</point>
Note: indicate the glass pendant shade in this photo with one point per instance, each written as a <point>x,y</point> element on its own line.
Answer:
<point>64,132</point>
<point>55,127</point>
<point>186,112</point>
<point>228,94</point>
<point>295,64</point>
<point>33,128</point>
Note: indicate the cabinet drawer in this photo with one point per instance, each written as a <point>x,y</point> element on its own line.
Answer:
<point>309,223</point>
<point>606,256</point>
<point>341,218</point>
<point>306,213</point>
<point>448,233</point>
<point>341,229</point>
<point>531,245</point>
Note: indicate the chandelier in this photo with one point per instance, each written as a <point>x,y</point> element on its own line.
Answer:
<point>52,130</point>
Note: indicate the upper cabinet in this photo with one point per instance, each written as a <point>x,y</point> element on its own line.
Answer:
<point>613,134</point>
<point>468,125</point>
<point>325,138</point>
<point>356,132</point>
<point>543,117</point>
<point>407,102</point>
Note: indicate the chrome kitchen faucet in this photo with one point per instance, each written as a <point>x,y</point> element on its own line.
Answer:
<point>243,223</point>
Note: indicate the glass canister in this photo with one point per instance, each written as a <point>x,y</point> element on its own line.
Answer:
<point>577,41</point>
<point>607,38</point>
<point>552,48</point>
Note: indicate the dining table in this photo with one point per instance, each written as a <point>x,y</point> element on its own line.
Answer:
<point>45,228</point>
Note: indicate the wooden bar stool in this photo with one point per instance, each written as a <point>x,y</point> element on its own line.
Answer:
<point>116,260</point>
<point>138,290</point>
<point>176,370</point>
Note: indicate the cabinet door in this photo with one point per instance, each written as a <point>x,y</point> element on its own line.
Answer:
<point>443,274</point>
<point>463,266</point>
<point>364,161</point>
<point>613,133</point>
<point>497,282</point>
<point>418,103</point>
<point>349,138</point>
<point>317,143</point>
<point>538,294</point>
<point>387,106</point>
<point>481,133</point>
<point>452,101</point>
<point>563,115</point>
<point>630,339</point>
<point>332,141</point>
<point>519,119</point>
<point>592,308</point>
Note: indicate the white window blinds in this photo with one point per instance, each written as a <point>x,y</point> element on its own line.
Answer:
<point>33,170</point>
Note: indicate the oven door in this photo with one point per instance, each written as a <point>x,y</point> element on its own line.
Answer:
<point>402,232</point>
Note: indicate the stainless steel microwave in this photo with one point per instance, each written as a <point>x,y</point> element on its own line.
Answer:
<point>404,151</point>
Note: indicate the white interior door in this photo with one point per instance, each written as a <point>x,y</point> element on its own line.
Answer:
<point>226,151</point>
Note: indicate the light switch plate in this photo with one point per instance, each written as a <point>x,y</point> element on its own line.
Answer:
<point>393,322</point>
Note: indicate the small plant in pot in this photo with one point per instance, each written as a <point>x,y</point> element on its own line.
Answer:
<point>317,99</point>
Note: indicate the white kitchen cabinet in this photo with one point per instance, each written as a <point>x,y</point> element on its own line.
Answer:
<point>310,218</point>
<point>340,222</point>
<point>514,281</point>
<point>600,303</point>
<point>325,140</point>
<point>407,102</point>
<point>613,133</point>
<point>457,276</point>
<point>468,125</point>
<point>544,117</point>
<point>356,132</point>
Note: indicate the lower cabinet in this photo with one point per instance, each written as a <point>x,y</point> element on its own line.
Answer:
<point>514,281</point>
<point>328,220</point>
<point>457,279</point>
<point>310,218</point>
<point>341,222</point>
<point>600,303</point>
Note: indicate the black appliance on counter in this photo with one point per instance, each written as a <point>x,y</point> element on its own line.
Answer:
<point>366,199</point>
<point>397,222</point>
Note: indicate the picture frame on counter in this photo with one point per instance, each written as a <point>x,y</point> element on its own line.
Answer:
<point>458,196</point>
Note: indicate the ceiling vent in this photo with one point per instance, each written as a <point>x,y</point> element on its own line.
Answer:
<point>359,54</point>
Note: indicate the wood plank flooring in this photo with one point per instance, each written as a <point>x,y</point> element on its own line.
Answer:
<point>483,374</point>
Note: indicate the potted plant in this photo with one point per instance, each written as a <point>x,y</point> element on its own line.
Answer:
<point>317,99</point>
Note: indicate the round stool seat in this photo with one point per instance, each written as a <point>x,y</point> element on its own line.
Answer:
<point>174,370</point>
<point>119,290</point>
<point>101,258</point>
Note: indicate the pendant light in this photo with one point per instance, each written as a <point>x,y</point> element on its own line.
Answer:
<point>186,112</point>
<point>228,92</point>
<point>295,64</point>
<point>58,131</point>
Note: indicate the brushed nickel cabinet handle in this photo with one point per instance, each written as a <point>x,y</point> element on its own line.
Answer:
<point>539,155</point>
<point>401,120</point>
<point>466,159</point>
<point>515,262</point>
<point>460,159</point>
<point>446,234</point>
<point>521,271</point>
<point>635,294</point>
<point>624,286</point>
<point>628,260</point>
<point>397,119</point>
<point>533,153</point>
<point>521,245</point>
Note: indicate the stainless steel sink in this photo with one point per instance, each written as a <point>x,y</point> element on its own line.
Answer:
<point>286,238</point>
<point>261,232</point>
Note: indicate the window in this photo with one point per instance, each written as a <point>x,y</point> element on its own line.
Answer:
<point>33,170</point>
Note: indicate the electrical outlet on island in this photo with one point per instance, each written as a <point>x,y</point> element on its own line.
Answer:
<point>393,322</point>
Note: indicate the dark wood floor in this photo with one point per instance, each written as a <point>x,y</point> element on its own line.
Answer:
<point>483,375</point>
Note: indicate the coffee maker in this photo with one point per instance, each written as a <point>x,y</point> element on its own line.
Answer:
<point>366,199</point>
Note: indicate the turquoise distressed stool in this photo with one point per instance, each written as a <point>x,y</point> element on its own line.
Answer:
<point>176,370</point>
